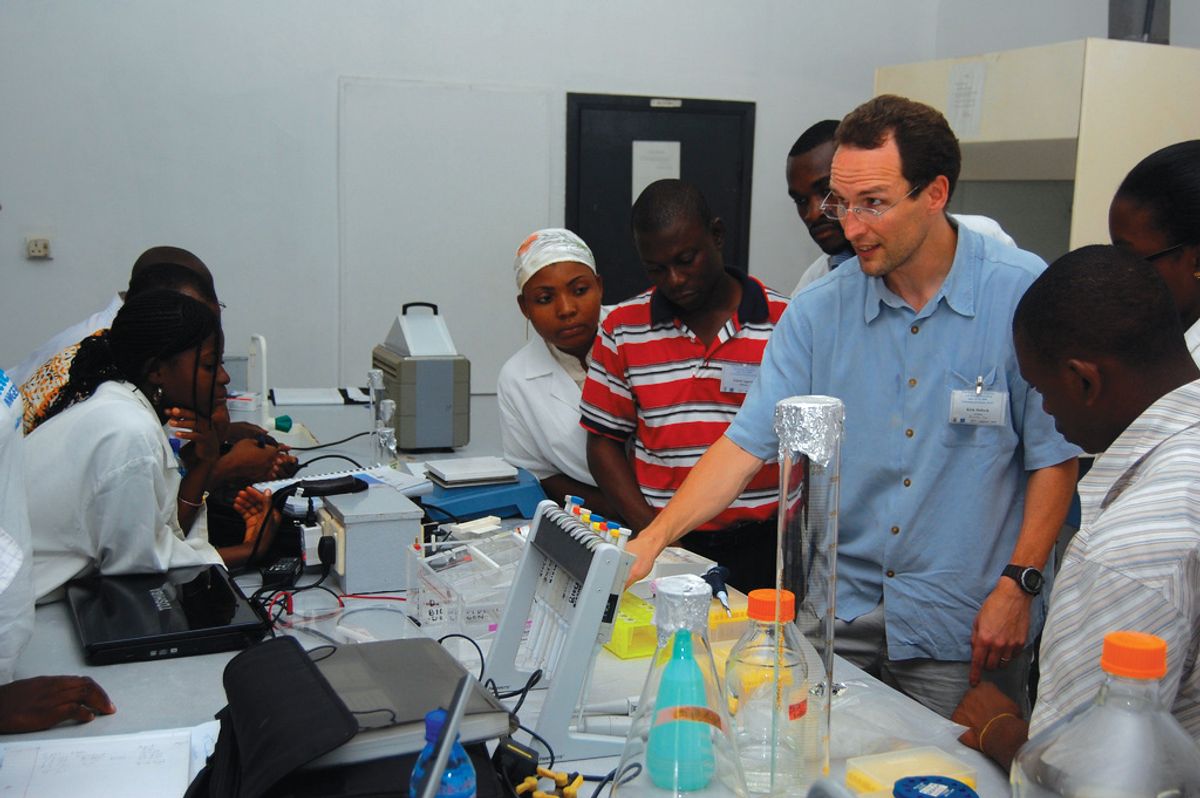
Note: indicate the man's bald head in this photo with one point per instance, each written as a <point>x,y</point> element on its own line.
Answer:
<point>175,256</point>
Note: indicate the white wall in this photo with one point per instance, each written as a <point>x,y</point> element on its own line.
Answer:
<point>971,27</point>
<point>213,126</point>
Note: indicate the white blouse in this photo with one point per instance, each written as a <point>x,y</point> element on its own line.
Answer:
<point>539,415</point>
<point>102,485</point>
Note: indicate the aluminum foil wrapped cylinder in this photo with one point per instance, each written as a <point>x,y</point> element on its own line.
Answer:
<point>810,430</point>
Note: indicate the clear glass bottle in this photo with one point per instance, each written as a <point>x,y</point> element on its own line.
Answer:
<point>766,679</point>
<point>680,741</point>
<point>458,779</point>
<point>1125,743</point>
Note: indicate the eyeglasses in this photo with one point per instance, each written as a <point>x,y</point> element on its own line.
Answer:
<point>1162,252</point>
<point>837,211</point>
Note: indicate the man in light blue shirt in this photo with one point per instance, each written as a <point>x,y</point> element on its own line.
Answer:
<point>954,481</point>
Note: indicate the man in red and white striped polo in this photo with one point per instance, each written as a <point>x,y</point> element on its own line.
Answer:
<point>669,371</point>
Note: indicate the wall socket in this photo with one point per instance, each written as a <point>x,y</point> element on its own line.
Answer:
<point>37,248</point>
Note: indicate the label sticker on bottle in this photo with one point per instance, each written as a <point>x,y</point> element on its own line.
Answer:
<point>698,714</point>
<point>798,709</point>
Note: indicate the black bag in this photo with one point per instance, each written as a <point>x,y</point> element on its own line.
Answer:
<point>283,714</point>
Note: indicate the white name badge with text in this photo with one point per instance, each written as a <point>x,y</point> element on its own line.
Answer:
<point>738,377</point>
<point>979,408</point>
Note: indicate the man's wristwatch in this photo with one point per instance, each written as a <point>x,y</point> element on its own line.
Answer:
<point>1028,578</point>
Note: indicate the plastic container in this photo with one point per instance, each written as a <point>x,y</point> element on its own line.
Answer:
<point>766,680</point>
<point>932,787</point>
<point>635,636</point>
<point>1124,743</point>
<point>458,779</point>
<point>877,774</point>
<point>466,592</point>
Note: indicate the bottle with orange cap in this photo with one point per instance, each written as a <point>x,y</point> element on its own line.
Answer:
<point>1124,743</point>
<point>766,681</point>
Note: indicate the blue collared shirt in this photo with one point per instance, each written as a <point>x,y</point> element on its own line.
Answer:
<point>930,511</point>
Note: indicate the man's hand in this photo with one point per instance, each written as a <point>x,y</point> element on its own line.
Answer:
<point>1001,628</point>
<point>646,551</point>
<point>45,701</point>
<point>978,706</point>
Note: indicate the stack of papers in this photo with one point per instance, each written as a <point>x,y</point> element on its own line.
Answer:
<point>150,764</point>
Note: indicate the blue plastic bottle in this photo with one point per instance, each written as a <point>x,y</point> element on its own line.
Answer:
<point>458,780</point>
<point>679,752</point>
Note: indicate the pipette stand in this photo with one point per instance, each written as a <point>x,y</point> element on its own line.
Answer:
<point>567,586</point>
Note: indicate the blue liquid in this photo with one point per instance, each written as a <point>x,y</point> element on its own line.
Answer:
<point>679,752</point>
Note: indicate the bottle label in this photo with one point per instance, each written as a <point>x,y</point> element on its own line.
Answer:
<point>698,714</point>
<point>798,709</point>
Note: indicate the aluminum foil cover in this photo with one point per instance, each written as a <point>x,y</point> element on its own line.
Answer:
<point>810,425</point>
<point>681,602</point>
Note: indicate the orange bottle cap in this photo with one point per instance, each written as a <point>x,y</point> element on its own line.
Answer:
<point>760,604</point>
<point>1134,655</point>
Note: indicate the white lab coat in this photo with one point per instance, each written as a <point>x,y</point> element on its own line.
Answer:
<point>1192,337</point>
<point>101,320</point>
<point>16,561</point>
<point>539,415</point>
<point>102,484</point>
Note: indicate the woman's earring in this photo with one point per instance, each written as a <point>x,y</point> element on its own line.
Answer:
<point>156,396</point>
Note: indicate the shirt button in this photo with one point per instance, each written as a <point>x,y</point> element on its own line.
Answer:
<point>908,433</point>
<point>895,530</point>
<point>912,382</point>
<point>907,482</point>
<point>914,329</point>
<point>891,573</point>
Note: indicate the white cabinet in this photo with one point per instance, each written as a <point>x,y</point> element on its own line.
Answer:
<point>1083,111</point>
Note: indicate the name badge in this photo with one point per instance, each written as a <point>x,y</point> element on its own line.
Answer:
<point>979,408</point>
<point>738,377</point>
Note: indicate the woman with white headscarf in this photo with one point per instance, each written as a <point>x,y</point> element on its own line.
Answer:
<point>540,386</point>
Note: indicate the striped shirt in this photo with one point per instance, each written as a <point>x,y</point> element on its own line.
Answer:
<point>652,380</point>
<point>1134,564</point>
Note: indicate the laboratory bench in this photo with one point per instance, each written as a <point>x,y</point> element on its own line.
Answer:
<point>868,716</point>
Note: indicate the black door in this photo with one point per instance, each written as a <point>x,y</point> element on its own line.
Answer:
<point>716,152</point>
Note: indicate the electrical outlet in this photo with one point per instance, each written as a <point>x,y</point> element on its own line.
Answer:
<point>37,248</point>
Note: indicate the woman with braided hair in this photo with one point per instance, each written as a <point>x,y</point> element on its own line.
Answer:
<point>105,488</point>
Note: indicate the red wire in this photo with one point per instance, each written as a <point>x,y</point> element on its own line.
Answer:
<point>369,597</point>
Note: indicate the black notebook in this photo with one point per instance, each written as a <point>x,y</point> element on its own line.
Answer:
<point>390,685</point>
<point>180,613</point>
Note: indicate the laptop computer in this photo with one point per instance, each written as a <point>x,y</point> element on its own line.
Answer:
<point>180,613</point>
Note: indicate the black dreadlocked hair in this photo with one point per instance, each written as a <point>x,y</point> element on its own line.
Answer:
<point>151,327</point>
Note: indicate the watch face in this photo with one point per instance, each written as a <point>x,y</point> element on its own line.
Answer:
<point>1032,580</point>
